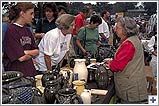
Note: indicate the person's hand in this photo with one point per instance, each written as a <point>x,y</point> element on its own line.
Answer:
<point>34,61</point>
<point>26,51</point>
<point>39,35</point>
<point>87,54</point>
<point>107,62</point>
<point>42,35</point>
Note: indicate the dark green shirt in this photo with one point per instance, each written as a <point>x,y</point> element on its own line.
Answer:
<point>91,37</point>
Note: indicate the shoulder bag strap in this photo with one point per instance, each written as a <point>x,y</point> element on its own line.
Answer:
<point>84,37</point>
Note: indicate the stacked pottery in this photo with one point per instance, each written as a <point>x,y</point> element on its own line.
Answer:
<point>80,69</point>
<point>51,90</point>
<point>52,83</point>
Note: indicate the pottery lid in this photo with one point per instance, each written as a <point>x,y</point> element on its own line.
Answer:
<point>67,92</point>
<point>93,59</point>
<point>38,76</point>
<point>66,69</point>
<point>78,82</point>
<point>79,60</point>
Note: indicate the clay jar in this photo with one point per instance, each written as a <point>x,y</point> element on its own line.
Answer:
<point>93,60</point>
<point>67,74</point>
<point>86,96</point>
<point>51,90</point>
<point>38,80</point>
<point>81,69</point>
<point>48,76</point>
<point>68,96</point>
<point>91,75</point>
<point>79,86</point>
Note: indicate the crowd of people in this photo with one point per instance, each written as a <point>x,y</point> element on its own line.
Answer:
<point>58,33</point>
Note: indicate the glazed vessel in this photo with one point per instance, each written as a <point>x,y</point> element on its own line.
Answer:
<point>81,69</point>
<point>79,86</point>
<point>86,96</point>
<point>68,96</point>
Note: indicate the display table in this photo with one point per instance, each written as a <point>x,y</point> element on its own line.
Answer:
<point>102,99</point>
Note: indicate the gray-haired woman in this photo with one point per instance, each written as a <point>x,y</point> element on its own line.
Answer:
<point>128,64</point>
<point>55,43</point>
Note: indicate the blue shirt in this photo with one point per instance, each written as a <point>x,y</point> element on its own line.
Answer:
<point>44,26</point>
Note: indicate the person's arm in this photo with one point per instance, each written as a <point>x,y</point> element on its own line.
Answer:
<point>154,53</point>
<point>49,45</point>
<point>32,53</point>
<point>80,46</point>
<point>24,57</point>
<point>103,36</point>
<point>28,55</point>
<point>81,37</point>
<point>79,24</point>
<point>124,55</point>
<point>39,35</point>
<point>47,59</point>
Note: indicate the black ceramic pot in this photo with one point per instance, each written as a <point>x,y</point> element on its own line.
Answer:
<point>51,90</point>
<point>68,96</point>
<point>101,77</point>
<point>10,76</point>
<point>71,62</point>
<point>38,97</point>
<point>48,76</point>
<point>91,75</point>
<point>16,78</point>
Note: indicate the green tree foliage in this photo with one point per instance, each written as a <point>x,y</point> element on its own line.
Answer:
<point>124,6</point>
<point>6,5</point>
<point>75,7</point>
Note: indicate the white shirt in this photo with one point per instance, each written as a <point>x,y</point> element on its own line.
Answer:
<point>153,62</point>
<point>104,28</point>
<point>151,44</point>
<point>54,44</point>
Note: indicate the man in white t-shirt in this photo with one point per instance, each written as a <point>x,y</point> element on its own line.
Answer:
<point>55,44</point>
<point>103,28</point>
